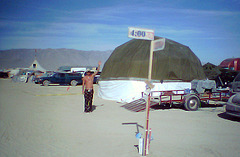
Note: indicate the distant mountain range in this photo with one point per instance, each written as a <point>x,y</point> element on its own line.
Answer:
<point>51,59</point>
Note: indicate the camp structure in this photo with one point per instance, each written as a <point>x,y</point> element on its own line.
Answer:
<point>126,70</point>
<point>231,64</point>
<point>35,66</point>
<point>222,75</point>
<point>211,71</point>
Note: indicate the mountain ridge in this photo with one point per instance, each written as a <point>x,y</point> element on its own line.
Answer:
<point>51,59</point>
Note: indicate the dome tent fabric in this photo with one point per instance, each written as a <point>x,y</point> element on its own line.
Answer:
<point>126,70</point>
<point>130,62</point>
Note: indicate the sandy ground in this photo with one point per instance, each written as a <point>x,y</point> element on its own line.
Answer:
<point>37,121</point>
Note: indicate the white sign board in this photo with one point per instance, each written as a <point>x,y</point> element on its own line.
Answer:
<point>78,69</point>
<point>140,33</point>
<point>159,44</point>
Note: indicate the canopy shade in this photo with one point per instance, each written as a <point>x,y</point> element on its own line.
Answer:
<point>130,61</point>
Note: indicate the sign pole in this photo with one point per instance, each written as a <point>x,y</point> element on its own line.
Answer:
<point>145,34</point>
<point>150,62</point>
<point>146,143</point>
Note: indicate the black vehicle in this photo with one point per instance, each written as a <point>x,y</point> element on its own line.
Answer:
<point>233,105</point>
<point>235,85</point>
<point>61,78</point>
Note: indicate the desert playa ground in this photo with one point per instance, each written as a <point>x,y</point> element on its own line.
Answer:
<point>38,121</point>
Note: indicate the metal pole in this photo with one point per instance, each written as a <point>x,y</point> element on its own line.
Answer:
<point>150,62</point>
<point>148,101</point>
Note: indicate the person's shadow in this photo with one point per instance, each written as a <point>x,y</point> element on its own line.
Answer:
<point>94,107</point>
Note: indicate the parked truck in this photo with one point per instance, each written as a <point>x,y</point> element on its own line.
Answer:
<point>61,78</point>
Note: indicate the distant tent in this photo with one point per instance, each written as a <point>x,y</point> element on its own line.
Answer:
<point>211,71</point>
<point>36,66</point>
<point>125,71</point>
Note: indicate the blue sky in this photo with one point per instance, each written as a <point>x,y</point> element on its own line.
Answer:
<point>211,28</point>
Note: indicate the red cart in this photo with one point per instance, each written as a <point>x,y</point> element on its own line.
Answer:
<point>191,101</point>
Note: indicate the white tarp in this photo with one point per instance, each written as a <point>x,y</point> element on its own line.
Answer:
<point>130,90</point>
<point>201,85</point>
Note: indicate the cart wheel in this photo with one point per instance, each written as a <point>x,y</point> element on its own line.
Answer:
<point>74,83</point>
<point>192,102</point>
<point>46,83</point>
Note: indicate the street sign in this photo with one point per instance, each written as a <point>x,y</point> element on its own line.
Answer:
<point>158,44</point>
<point>140,33</point>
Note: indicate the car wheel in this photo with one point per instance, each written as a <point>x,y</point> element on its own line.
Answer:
<point>74,83</point>
<point>46,82</point>
<point>192,102</point>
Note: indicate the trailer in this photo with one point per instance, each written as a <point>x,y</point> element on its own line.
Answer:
<point>189,99</point>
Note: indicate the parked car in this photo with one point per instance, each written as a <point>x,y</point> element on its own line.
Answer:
<point>233,105</point>
<point>61,78</point>
<point>235,85</point>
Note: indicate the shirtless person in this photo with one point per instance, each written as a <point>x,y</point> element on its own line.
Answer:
<point>87,88</point>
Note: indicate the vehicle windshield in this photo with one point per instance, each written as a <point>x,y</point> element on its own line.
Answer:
<point>47,75</point>
<point>59,75</point>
